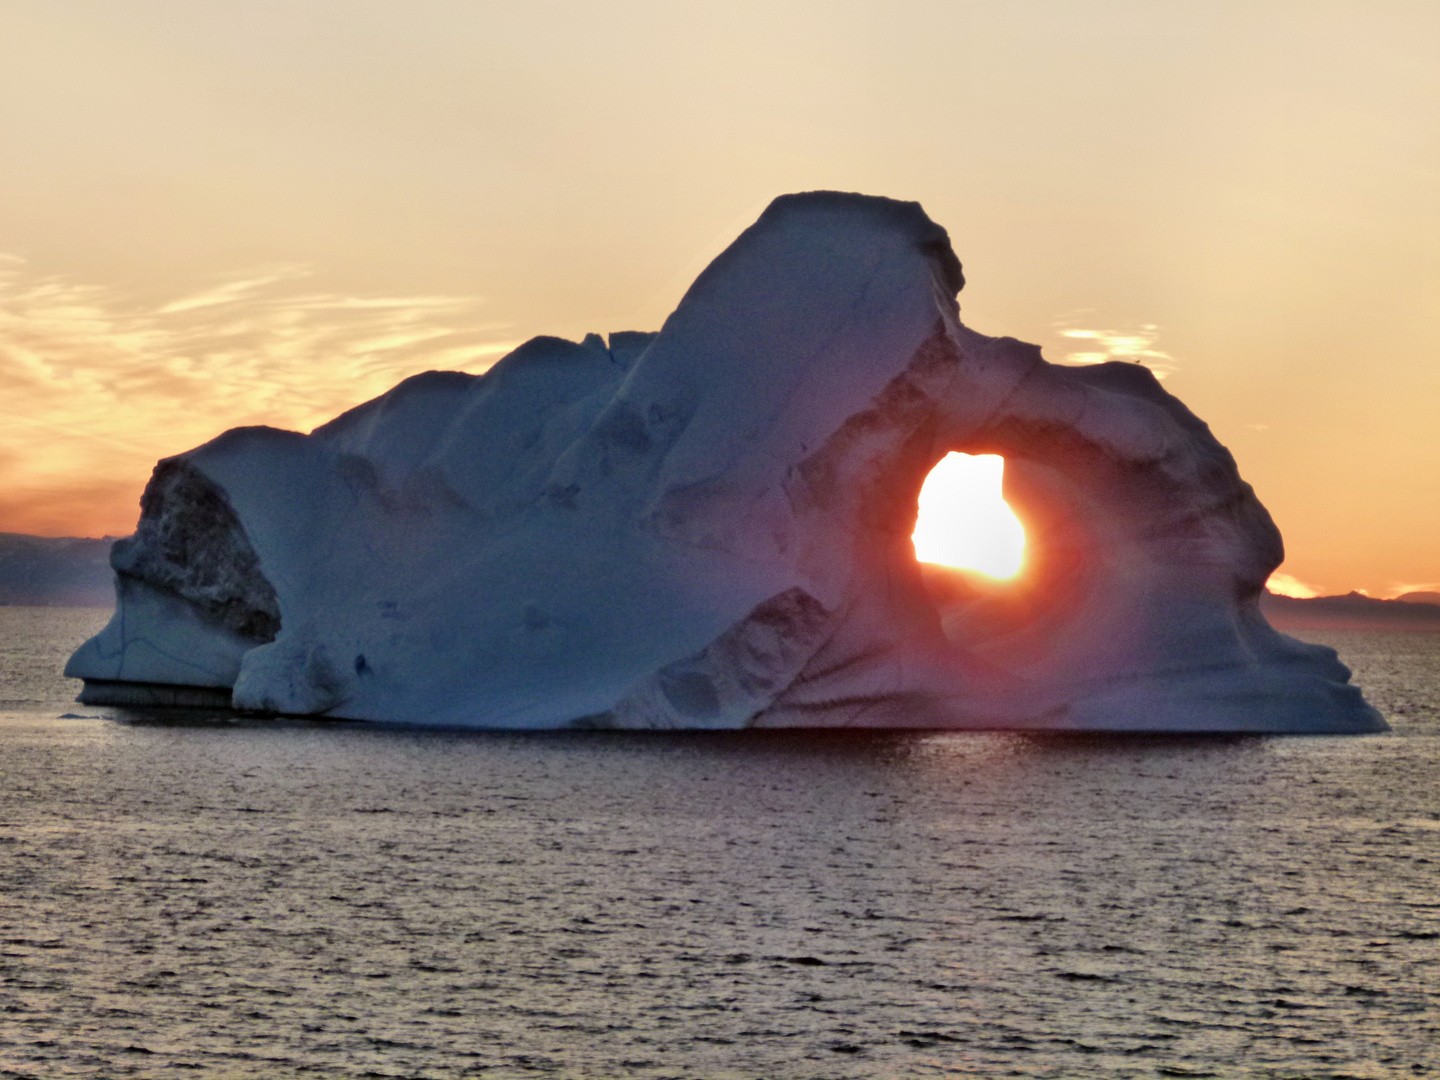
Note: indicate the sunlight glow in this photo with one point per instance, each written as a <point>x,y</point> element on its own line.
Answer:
<point>964,521</point>
<point>1286,585</point>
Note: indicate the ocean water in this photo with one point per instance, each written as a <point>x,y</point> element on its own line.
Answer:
<point>188,894</point>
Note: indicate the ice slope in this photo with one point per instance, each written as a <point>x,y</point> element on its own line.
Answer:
<point>709,528</point>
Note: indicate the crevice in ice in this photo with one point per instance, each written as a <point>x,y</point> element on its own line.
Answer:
<point>190,543</point>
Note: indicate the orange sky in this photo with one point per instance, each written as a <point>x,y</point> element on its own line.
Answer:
<point>266,211</point>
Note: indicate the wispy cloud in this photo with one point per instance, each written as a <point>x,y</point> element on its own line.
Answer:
<point>231,292</point>
<point>97,386</point>
<point>1098,346</point>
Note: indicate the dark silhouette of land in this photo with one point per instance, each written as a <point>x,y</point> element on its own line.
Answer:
<point>46,571</point>
<point>1353,611</point>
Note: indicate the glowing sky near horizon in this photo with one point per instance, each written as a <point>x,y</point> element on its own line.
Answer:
<point>267,211</point>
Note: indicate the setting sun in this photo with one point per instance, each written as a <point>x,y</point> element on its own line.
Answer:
<point>964,521</point>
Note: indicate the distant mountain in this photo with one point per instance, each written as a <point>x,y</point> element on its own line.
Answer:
<point>1353,611</point>
<point>1419,598</point>
<point>64,571</point>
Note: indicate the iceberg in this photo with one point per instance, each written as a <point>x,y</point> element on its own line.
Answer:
<point>709,527</point>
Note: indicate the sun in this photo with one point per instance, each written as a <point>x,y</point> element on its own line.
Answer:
<point>964,520</point>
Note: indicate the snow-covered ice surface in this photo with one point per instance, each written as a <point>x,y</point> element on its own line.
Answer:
<point>709,527</point>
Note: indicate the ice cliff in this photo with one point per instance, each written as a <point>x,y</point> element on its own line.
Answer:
<point>709,527</point>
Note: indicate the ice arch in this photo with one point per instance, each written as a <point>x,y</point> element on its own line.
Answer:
<point>710,527</point>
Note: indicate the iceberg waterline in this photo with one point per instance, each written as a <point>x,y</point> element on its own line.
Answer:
<point>709,527</point>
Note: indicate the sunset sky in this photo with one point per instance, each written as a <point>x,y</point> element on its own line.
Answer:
<point>229,213</point>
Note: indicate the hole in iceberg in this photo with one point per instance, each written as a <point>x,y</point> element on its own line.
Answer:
<point>982,577</point>
<point>964,522</point>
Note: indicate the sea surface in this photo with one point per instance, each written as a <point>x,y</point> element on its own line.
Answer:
<point>192,895</point>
